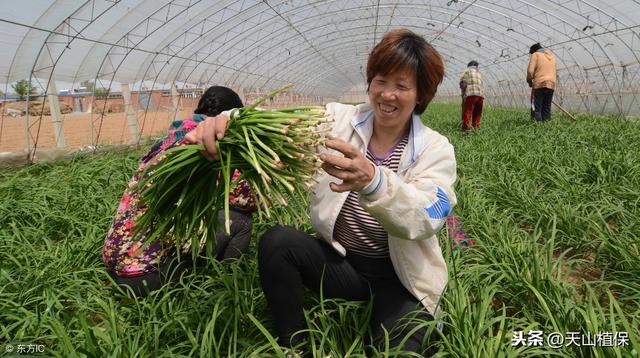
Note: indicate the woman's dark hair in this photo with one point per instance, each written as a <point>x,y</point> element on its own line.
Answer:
<point>535,47</point>
<point>217,99</point>
<point>403,49</point>
<point>472,63</point>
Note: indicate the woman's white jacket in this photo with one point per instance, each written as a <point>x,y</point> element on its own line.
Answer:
<point>411,205</point>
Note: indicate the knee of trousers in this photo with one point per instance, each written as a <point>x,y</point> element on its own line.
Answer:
<point>272,240</point>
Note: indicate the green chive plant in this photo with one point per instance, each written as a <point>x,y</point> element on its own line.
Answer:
<point>275,152</point>
<point>553,210</point>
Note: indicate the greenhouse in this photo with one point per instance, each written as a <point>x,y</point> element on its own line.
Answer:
<point>516,234</point>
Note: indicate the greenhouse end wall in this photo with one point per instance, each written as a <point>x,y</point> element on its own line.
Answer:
<point>605,89</point>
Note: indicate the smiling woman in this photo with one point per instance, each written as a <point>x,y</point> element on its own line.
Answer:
<point>377,227</point>
<point>375,210</point>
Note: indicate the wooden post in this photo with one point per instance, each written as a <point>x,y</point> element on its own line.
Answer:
<point>175,100</point>
<point>132,120</point>
<point>56,116</point>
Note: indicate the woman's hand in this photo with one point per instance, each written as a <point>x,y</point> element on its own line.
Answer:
<point>354,169</point>
<point>206,133</point>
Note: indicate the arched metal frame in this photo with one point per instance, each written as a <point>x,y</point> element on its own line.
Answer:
<point>322,46</point>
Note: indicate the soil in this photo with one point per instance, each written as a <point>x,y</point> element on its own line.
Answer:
<point>37,107</point>
<point>77,129</point>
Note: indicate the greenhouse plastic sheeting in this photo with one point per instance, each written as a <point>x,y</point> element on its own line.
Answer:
<point>322,46</point>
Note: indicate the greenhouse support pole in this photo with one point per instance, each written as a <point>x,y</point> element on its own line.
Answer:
<point>56,116</point>
<point>174,100</point>
<point>27,128</point>
<point>132,121</point>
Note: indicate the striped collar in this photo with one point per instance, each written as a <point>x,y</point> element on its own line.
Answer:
<point>362,124</point>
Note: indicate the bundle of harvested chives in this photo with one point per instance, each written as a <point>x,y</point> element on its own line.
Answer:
<point>274,150</point>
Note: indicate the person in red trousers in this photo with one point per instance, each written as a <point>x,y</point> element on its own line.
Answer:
<point>472,97</point>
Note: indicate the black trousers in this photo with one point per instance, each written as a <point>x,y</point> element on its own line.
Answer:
<point>290,260</point>
<point>171,268</point>
<point>542,104</point>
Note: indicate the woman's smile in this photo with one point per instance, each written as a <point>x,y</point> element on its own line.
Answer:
<point>387,109</point>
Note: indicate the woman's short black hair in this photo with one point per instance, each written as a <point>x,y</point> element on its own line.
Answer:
<point>217,99</point>
<point>472,63</point>
<point>535,47</point>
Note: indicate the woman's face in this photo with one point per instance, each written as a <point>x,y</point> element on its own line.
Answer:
<point>393,98</point>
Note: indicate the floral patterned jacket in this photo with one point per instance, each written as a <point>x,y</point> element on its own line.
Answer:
<point>120,251</point>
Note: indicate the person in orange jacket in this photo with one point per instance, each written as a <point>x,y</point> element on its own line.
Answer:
<point>541,77</point>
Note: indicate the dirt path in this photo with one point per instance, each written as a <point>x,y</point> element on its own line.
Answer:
<point>77,129</point>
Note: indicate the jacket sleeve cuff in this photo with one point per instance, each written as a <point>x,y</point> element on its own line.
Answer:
<point>375,188</point>
<point>229,113</point>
